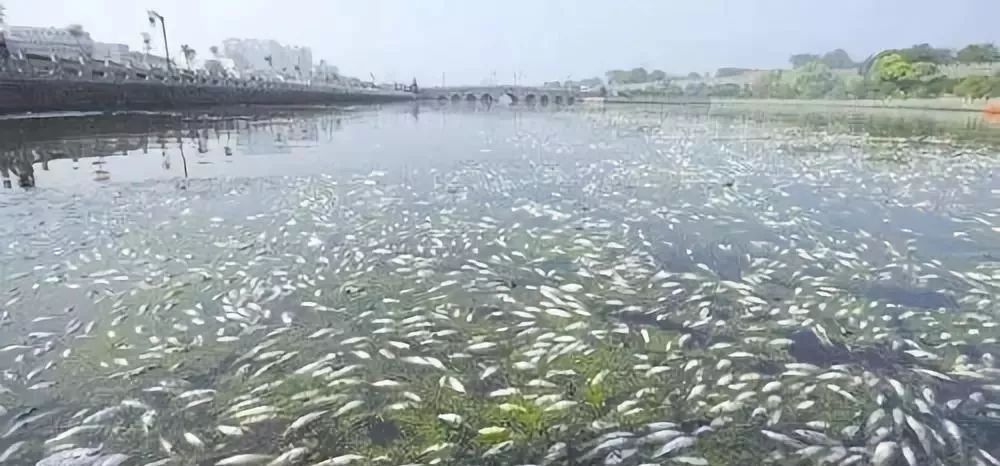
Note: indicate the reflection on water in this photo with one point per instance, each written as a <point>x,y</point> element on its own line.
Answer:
<point>58,144</point>
<point>460,285</point>
<point>92,145</point>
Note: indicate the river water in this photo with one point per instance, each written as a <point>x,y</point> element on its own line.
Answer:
<point>460,284</point>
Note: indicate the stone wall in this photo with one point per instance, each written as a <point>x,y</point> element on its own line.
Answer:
<point>19,95</point>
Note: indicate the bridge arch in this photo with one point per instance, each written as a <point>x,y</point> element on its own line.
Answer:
<point>455,98</point>
<point>544,99</point>
<point>558,100</point>
<point>529,99</point>
<point>442,98</point>
<point>470,97</point>
<point>486,98</point>
<point>570,100</point>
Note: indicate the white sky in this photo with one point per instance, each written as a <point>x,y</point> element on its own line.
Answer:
<point>469,40</point>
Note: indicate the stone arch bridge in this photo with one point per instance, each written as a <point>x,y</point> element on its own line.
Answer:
<point>489,94</point>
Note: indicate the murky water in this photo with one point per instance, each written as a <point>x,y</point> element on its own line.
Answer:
<point>467,285</point>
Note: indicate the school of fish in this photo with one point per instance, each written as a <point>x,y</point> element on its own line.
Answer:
<point>666,292</point>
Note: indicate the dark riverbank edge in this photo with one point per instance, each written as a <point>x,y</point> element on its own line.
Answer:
<point>55,95</point>
<point>941,104</point>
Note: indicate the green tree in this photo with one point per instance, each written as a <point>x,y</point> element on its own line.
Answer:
<point>897,74</point>
<point>893,68</point>
<point>696,89</point>
<point>926,53</point>
<point>936,86</point>
<point>673,90</point>
<point>772,85</point>
<point>838,59</point>
<point>857,87</point>
<point>814,80</point>
<point>694,75</point>
<point>638,75</point>
<point>801,59</point>
<point>658,75</point>
<point>978,53</point>
<point>975,87</point>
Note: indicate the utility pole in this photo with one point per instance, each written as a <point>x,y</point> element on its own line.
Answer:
<point>442,79</point>
<point>153,16</point>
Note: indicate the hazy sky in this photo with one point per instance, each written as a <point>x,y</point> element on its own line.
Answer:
<point>543,40</point>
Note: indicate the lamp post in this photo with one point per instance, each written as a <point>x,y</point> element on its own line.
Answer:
<point>153,16</point>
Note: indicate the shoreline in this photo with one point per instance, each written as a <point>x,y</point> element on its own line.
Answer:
<point>30,96</point>
<point>948,104</point>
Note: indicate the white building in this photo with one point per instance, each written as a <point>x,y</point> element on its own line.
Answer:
<point>117,53</point>
<point>253,55</point>
<point>145,60</point>
<point>48,41</point>
<point>220,66</point>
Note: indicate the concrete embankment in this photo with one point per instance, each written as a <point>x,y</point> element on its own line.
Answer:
<point>19,95</point>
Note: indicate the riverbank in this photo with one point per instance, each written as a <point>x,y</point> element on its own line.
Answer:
<point>955,104</point>
<point>33,95</point>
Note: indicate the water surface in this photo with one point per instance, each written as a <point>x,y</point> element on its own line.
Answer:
<point>473,285</point>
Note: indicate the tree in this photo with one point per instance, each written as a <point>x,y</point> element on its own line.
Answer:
<point>696,89</point>
<point>729,71</point>
<point>763,83</point>
<point>801,59</point>
<point>2,15</point>
<point>975,87</point>
<point>694,75</point>
<point>926,53</point>
<point>725,90</point>
<point>673,90</point>
<point>893,67</point>
<point>214,50</point>
<point>897,73</point>
<point>638,75</point>
<point>838,59</point>
<point>658,75</point>
<point>772,85</point>
<point>814,80</point>
<point>978,53</point>
<point>857,87</point>
<point>189,54</point>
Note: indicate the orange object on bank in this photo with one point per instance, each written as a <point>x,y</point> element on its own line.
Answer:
<point>992,108</point>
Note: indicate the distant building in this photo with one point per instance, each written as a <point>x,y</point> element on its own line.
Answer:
<point>254,55</point>
<point>117,53</point>
<point>221,66</point>
<point>145,60</point>
<point>48,41</point>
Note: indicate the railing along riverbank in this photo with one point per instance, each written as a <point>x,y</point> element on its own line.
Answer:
<point>29,86</point>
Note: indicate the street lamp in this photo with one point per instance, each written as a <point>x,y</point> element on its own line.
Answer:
<point>153,16</point>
